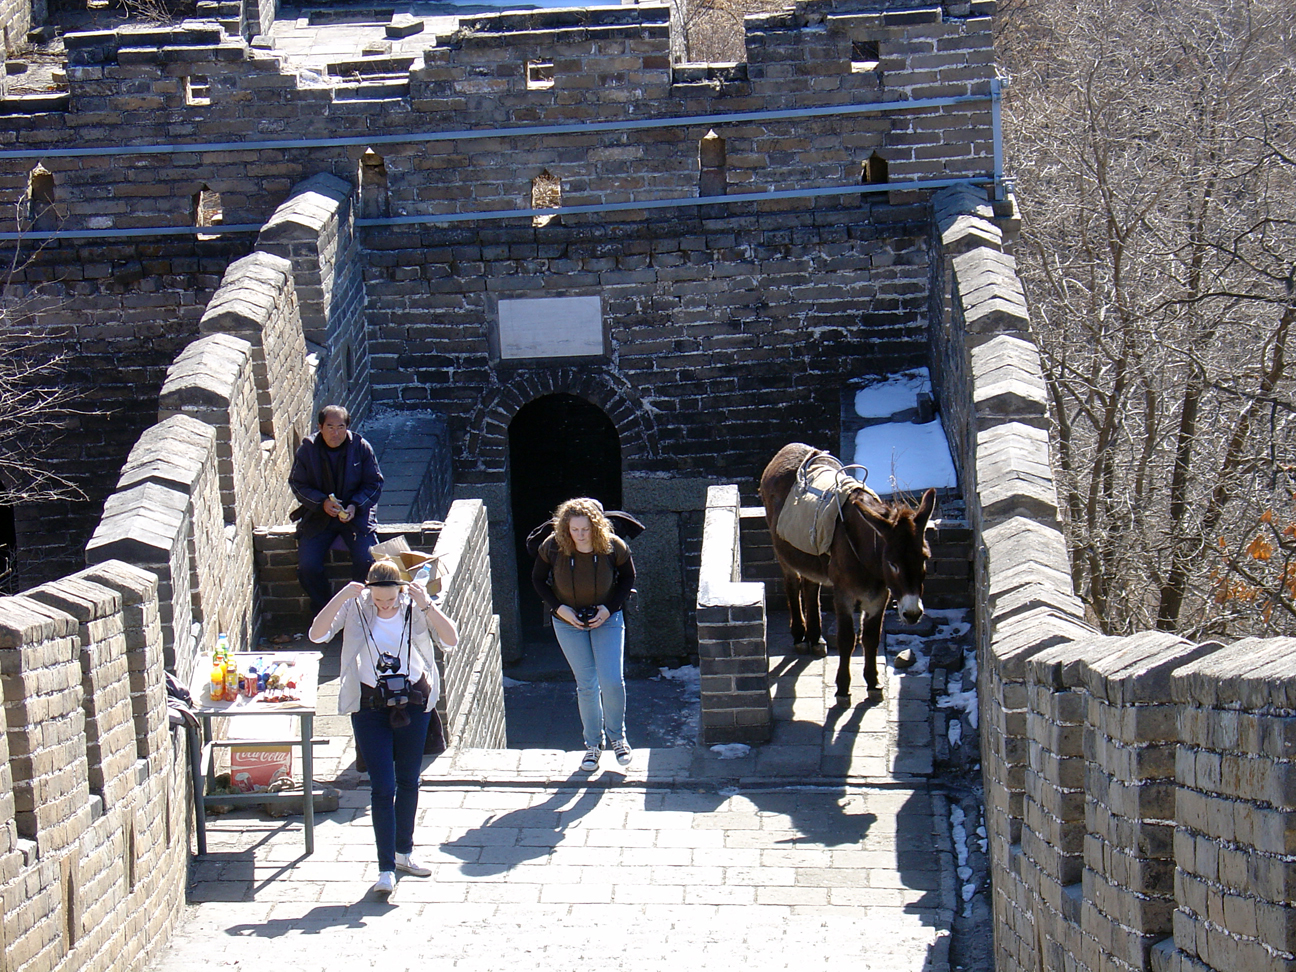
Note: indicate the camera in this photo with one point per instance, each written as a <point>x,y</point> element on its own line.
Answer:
<point>586,614</point>
<point>387,663</point>
<point>394,689</point>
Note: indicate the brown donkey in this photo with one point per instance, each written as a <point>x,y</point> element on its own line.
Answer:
<point>878,552</point>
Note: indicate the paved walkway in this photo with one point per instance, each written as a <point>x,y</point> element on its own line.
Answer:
<point>824,849</point>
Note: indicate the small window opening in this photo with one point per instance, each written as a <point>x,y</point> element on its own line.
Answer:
<point>197,90</point>
<point>373,186</point>
<point>130,856</point>
<point>40,200</point>
<point>712,180</point>
<point>865,56</point>
<point>207,211</point>
<point>540,74</point>
<point>874,171</point>
<point>546,193</point>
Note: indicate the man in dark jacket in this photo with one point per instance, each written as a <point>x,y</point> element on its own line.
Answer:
<point>335,475</point>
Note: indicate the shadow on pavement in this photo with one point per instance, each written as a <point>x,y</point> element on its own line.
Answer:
<point>539,829</point>
<point>314,921</point>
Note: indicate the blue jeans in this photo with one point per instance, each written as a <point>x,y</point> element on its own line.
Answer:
<point>596,656</point>
<point>394,758</point>
<point>311,553</point>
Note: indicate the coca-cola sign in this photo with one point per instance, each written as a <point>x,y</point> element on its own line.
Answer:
<point>256,767</point>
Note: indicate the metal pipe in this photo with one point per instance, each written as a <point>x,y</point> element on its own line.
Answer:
<point>996,123</point>
<point>853,189</point>
<point>511,131</point>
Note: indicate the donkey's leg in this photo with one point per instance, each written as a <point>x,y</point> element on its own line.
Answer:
<point>813,624</point>
<point>844,609</point>
<point>792,589</point>
<point>871,636</point>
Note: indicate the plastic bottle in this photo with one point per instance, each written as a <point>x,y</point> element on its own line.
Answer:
<point>231,680</point>
<point>218,682</point>
<point>222,646</point>
<point>423,576</point>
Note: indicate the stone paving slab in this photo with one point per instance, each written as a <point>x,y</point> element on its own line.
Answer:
<point>575,877</point>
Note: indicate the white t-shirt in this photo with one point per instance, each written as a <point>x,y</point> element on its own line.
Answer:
<point>389,637</point>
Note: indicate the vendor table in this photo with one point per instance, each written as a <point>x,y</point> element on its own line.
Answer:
<point>306,671</point>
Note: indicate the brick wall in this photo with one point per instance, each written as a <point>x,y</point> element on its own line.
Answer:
<point>1137,805</point>
<point>94,789</point>
<point>114,314</point>
<point>474,686</point>
<point>232,411</point>
<point>314,231</point>
<point>732,656</point>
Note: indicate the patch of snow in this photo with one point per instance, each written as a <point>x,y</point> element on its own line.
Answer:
<point>690,676</point>
<point>955,732</point>
<point>894,394</point>
<point>958,832</point>
<point>731,750</point>
<point>965,702</point>
<point>514,683</point>
<point>901,456</point>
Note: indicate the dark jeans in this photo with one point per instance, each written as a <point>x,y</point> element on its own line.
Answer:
<point>311,554</point>
<point>394,757</point>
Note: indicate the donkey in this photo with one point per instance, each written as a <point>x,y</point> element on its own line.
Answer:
<point>878,552</point>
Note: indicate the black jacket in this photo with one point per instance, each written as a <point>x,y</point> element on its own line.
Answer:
<point>361,484</point>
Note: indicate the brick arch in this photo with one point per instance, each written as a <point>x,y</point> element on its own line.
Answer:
<point>486,444</point>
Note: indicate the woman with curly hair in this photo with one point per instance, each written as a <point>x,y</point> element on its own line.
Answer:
<point>584,573</point>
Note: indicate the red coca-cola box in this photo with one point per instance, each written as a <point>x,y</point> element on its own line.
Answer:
<point>254,768</point>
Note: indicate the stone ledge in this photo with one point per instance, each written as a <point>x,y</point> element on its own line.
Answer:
<point>1252,673</point>
<point>171,453</point>
<point>205,374</point>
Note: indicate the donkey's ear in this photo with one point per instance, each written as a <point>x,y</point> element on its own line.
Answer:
<point>924,511</point>
<point>878,521</point>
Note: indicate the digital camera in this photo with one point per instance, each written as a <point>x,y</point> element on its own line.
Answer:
<point>586,614</point>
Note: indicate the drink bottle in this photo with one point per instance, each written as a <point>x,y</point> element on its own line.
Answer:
<point>217,682</point>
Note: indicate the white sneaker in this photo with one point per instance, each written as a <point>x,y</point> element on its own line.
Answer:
<point>624,753</point>
<point>386,884</point>
<point>406,863</point>
<point>590,763</point>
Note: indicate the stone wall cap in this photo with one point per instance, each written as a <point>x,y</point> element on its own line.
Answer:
<point>1137,668</point>
<point>171,453</point>
<point>205,373</point>
<point>1254,673</point>
<point>82,598</point>
<point>24,621</point>
<point>134,583</point>
<point>1062,666</point>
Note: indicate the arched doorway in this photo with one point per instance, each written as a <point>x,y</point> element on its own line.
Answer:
<point>560,446</point>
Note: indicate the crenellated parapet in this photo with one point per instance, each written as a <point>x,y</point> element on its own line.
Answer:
<point>1138,805</point>
<point>93,791</point>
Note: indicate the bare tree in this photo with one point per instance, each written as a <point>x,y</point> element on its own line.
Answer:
<point>36,407</point>
<point>1152,146</point>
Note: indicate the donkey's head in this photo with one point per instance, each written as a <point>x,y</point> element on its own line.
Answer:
<point>902,531</point>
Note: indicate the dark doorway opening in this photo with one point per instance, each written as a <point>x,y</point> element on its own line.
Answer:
<point>8,550</point>
<point>560,446</point>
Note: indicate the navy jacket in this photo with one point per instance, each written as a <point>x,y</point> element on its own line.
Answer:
<point>361,484</point>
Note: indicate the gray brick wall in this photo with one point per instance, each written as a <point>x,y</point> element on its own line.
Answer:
<point>93,789</point>
<point>1136,791</point>
<point>732,656</point>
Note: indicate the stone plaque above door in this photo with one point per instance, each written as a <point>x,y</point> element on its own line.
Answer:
<point>550,327</point>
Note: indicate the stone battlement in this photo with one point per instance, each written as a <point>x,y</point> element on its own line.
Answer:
<point>1136,793</point>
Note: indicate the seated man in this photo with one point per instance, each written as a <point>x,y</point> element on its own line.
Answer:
<point>335,475</point>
